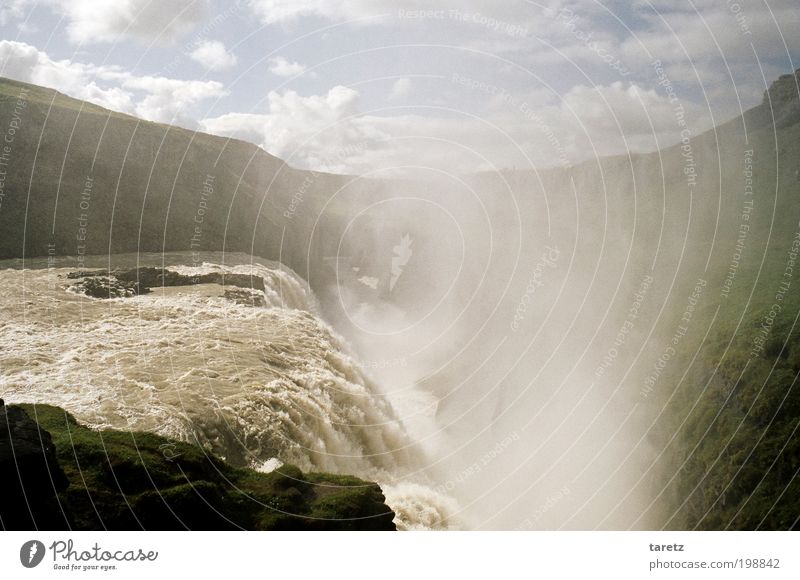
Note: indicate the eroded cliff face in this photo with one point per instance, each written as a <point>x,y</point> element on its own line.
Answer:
<point>782,99</point>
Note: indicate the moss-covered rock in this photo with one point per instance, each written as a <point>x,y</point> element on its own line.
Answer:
<point>129,480</point>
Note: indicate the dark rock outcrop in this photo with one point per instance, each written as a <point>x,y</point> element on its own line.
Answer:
<point>30,473</point>
<point>155,277</point>
<point>129,481</point>
<point>108,287</point>
<point>784,97</point>
<point>126,283</point>
<point>246,297</point>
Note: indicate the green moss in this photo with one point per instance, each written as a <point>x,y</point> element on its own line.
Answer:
<point>739,448</point>
<point>133,480</point>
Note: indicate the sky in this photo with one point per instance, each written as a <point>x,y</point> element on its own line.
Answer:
<point>368,86</point>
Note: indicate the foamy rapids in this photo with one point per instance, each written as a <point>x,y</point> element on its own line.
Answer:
<point>253,384</point>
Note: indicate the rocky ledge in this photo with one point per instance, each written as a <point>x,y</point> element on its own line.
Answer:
<point>782,100</point>
<point>125,283</point>
<point>58,474</point>
<point>30,472</point>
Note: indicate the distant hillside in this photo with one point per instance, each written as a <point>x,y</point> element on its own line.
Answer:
<point>82,179</point>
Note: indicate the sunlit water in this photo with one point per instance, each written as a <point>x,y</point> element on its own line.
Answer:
<point>254,384</point>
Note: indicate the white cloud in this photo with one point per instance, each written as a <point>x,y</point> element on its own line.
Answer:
<point>153,98</point>
<point>317,131</point>
<point>283,68</point>
<point>12,10</point>
<point>213,55</point>
<point>328,132</point>
<point>272,11</point>
<point>26,28</point>
<point>111,20</point>
<point>401,88</point>
<point>698,42</point>
<point>617,117</point>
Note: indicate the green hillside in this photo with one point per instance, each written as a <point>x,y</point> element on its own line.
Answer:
<point>84,180</point>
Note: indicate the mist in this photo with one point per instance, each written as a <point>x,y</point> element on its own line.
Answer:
<point>482,306</point>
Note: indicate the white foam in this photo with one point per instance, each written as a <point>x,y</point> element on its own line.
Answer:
<point>255,385</point>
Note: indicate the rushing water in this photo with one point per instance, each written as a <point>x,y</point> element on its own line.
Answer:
<point>257,385</point>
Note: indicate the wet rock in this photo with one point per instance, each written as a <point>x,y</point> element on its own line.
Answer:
<point>84,273</point>
<point>30,474</point>
<point>246,297</point>
<point>108,287</point>
<point>130,481</point>
<point>126,283</point>
<point>154,277</point>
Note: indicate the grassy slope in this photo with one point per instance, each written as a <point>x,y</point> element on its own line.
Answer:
<point>736,451</point>
<point>127,480</point>
<point>148,186</point>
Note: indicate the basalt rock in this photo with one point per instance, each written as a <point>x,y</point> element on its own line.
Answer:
<point>108,287</point>
<point>246,297</point>
<point>123,480</point>
<point>126,283</point>
<point>30,473</point>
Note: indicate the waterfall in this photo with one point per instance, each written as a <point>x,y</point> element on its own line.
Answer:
<point>258,385</point>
